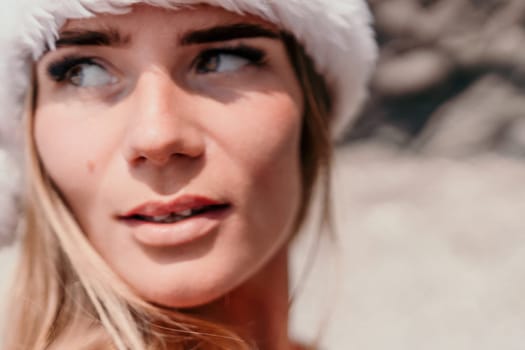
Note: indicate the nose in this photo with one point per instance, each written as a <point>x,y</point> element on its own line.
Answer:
<point>161,126</point>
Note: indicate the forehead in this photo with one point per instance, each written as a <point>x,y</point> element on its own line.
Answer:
<point>178,20</point>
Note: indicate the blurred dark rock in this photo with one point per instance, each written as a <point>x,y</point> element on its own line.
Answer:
<point>451,78</point>
<point>412,72</point>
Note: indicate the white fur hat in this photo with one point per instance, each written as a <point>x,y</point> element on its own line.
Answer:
<point>335,33</point>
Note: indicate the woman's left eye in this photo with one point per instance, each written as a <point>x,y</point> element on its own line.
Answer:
<point>228,59</point>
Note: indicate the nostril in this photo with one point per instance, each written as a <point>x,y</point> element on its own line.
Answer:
<point>160,142</point>
<point>140,160</point>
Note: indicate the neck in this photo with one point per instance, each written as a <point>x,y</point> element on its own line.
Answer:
<point>258,309</point>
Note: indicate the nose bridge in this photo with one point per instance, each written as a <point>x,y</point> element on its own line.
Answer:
<point>159,127</point>
<point>154,94</point>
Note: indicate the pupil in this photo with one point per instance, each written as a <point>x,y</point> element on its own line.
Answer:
<point>213,63</point>
<point>76,75</point>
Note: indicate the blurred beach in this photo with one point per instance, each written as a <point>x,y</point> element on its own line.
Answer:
<point>432,254</point>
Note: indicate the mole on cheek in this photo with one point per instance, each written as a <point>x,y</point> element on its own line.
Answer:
<point>91,166</point>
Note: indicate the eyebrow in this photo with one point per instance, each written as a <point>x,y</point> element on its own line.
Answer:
<point>83,37</point>
<point>113,37</point>
<point>227,32</point>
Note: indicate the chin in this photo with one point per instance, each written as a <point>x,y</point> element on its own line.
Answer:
<point>185,297</point>
<point>190,284</point>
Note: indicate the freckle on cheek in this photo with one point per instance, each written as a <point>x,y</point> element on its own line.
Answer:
<point>91,166</point>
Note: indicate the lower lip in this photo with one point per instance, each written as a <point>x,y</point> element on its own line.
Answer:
<point>176,233</point>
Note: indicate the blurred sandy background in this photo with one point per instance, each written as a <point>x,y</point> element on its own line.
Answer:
<point>428,190</point>
<point>428,187</point>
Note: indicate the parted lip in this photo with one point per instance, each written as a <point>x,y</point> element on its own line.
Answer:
<point>179,204</point>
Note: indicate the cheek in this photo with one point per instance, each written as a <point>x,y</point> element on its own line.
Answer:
<point>57,144</point>
<point>262,130</point>
<point>265,149</point>
<point>72,149</point>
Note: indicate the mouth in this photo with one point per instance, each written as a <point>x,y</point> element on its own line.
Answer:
<point>185,219</point>
<point>180,209</point>
<point>174,217</point>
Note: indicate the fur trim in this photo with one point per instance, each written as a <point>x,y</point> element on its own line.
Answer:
<point>335,33</point>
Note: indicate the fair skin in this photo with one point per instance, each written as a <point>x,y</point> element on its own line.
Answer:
<point>155,114</point>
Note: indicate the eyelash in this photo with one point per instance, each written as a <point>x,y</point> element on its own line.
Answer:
<point>58,71</point>
<point>255,56</point>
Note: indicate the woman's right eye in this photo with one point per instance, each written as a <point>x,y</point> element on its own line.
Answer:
<point>85,75</point>
<point>81,72</point>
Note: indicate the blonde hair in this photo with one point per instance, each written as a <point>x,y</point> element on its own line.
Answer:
<point>67,297</point>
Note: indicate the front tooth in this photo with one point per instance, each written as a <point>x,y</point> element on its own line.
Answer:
<point>161,218</point>
<point>186,212</point>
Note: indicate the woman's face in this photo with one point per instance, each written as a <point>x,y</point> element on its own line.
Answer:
<point>173,136</point>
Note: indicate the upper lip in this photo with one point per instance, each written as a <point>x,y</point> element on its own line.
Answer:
<point>179,204</point>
